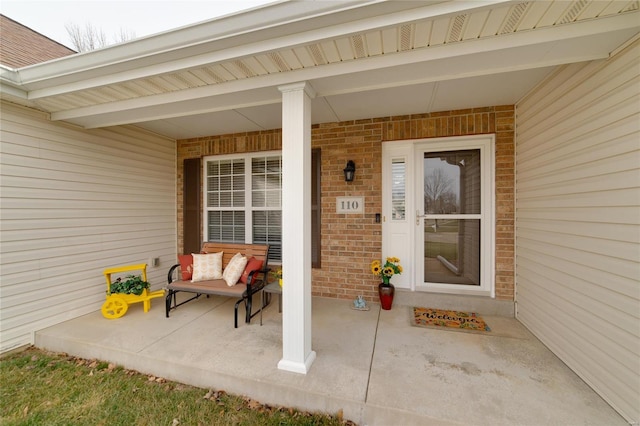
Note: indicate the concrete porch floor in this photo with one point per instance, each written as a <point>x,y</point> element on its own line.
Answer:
<point>373,364</point>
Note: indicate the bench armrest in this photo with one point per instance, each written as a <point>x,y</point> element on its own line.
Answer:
<point>254,274</point>
<point>170,274</point>
<point>253,283</point>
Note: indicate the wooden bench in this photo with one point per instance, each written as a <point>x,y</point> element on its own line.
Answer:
<point>256,280</point>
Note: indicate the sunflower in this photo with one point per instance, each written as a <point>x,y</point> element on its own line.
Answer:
<point>386,271</point>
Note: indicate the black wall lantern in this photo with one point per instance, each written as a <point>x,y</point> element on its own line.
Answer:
<point>349,171</point>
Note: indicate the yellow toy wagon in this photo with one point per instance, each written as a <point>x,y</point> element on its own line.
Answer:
<point>117,304</point>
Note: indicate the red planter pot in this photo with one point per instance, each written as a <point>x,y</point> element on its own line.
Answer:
<point>386,293</point>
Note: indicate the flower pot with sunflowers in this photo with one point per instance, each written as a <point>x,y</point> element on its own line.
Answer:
<point>277,274</point>
<point>385,271</point>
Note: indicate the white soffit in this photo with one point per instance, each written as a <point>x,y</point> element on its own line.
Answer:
<point>473,92</point>
<point>202,125</point>
<point>384,102</point>
<point>231,95</point>
<point>496,89</point>
<point>349,48</point>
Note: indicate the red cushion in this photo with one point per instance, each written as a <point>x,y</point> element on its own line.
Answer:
<point>186,266</point>
<point>252,265</point>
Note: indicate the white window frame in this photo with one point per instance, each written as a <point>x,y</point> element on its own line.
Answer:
<point>248,193</point>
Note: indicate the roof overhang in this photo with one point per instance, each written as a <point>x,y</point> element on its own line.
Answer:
<point>416,55</point>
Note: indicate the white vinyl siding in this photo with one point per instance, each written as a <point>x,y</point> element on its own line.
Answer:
<point>578,222</point>
<point>74,202</point>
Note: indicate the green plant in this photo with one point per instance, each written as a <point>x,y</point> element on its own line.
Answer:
<point>133,284</point>
<point>386,271</point>
<point>277,274</point>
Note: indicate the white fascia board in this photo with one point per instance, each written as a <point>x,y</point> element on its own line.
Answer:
<point>12,93</point>
<point>157,65</point>
<point>9,75</point>
<point>470,50</point>
<point>10,86</point>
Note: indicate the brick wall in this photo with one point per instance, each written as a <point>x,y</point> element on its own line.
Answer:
<point>350,242</point>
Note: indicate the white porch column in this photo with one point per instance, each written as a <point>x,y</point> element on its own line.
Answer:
<point>297,355</point>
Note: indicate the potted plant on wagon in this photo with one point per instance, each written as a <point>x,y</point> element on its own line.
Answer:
<point>133,284</point>
<point>385,271</point>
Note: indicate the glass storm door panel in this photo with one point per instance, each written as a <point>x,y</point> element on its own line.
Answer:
<point>452,207</point>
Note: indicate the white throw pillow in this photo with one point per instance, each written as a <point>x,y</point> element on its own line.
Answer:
<point>207,267</point>
<point>234,269</point>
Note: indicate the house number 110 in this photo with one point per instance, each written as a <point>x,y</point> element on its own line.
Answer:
<point>349,205</point>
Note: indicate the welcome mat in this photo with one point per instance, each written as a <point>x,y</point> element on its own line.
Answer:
<point>449,320</point>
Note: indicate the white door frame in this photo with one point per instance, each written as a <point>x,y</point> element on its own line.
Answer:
<point>401,236</point>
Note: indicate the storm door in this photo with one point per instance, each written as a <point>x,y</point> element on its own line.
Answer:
<point>453,217</point>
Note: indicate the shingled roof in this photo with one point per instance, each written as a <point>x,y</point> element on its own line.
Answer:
<point>21,46</point>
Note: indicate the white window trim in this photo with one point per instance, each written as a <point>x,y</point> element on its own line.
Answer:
<point>248,207</point>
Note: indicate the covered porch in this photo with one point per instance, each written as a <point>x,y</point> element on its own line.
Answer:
<point>93,154</point>
<point>373,365</point>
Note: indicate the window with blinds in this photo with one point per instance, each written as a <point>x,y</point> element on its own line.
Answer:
<point>398,189</point>
<point>244,201</point>
<point>225,200</point>
<point>266,194</point>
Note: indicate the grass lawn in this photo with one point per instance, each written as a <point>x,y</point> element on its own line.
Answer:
<point>43,388</point>
<point>447,250</point>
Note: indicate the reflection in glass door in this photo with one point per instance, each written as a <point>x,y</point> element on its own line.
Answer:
<point>452,209</point>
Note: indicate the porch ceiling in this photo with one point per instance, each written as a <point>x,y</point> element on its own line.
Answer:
<point>363,58</point>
